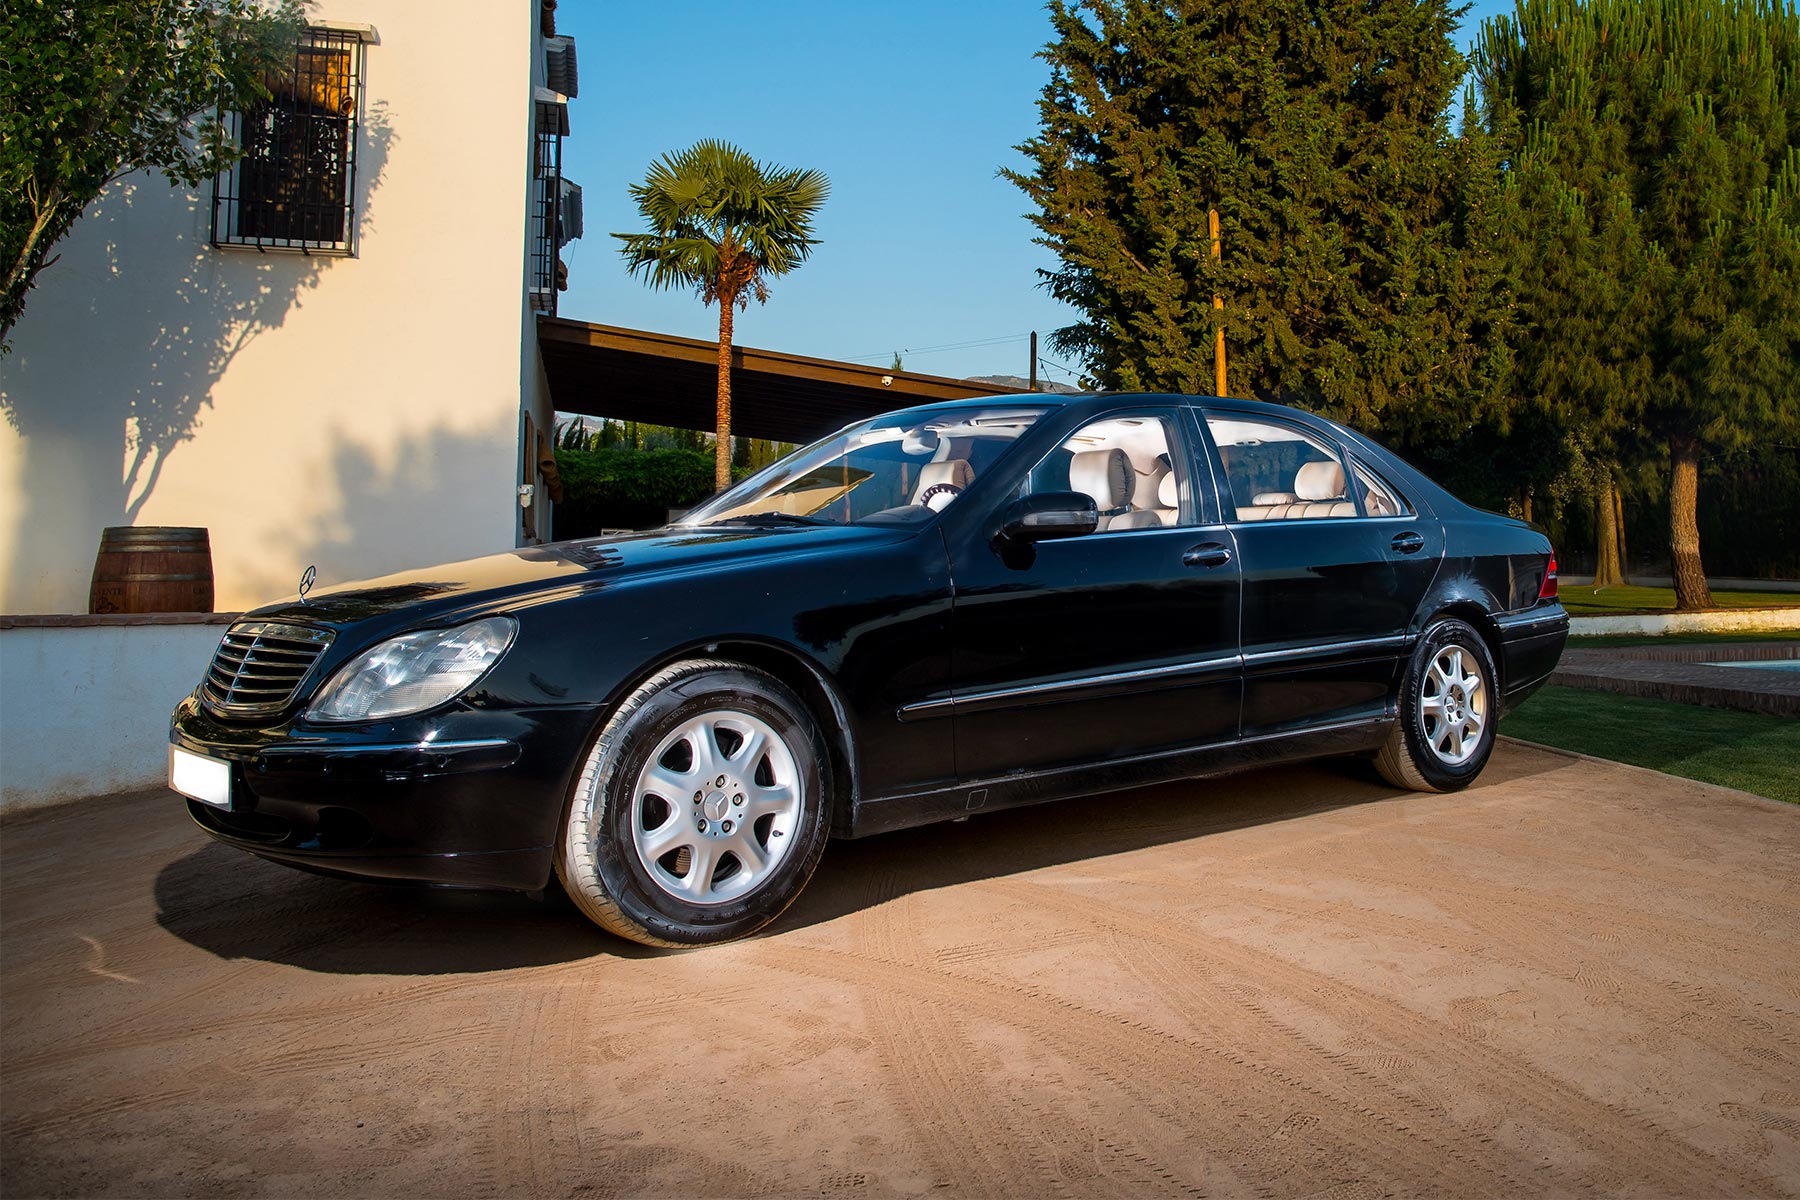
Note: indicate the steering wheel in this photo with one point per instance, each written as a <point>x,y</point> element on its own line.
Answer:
<point>938,489</point>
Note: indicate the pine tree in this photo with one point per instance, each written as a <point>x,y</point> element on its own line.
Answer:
<point>1358,272</point>
<point>1656,148</point>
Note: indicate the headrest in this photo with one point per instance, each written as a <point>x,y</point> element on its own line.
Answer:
<point>1147,485</point>
<point>1319,481</point>
<point>1273,498</point>
<point>952,470</point>
<point>1103,474</point>
<point>1168,493</point>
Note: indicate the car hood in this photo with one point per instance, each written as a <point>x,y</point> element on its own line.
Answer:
<point>534,574</point>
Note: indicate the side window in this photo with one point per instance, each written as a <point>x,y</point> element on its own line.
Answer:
<point>1279,472</point>
<point>1378,497</point>
<point>1133,465</point>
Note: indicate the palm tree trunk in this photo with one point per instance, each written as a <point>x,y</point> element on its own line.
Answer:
<point>1691,591</point>
<point>722,447</point>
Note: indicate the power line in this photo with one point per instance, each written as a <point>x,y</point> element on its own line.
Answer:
<point>968,345</point>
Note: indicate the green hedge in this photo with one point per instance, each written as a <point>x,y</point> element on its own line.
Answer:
<point>627,489</point>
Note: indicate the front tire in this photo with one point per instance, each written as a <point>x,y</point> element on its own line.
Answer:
<point>702,809</point>
<point>1449,712</point>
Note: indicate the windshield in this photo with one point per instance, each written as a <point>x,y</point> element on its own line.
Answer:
<point>898,468</point>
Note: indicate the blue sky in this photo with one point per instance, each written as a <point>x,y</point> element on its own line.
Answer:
<point>910,108</point>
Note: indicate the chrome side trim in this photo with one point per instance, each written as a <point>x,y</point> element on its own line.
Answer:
<point>994,781</point>
<point>388,747</point>
<point>1526,622</point>
<point>1059,689</point>
<point>1266,657</point>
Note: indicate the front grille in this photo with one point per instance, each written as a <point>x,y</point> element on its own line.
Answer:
<point>259,666</point>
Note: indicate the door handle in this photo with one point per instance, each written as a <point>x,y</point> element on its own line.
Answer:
<point>1408,542</point>
<point>1206,554</point>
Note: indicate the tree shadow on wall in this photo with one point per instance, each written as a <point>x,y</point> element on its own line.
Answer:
<point>125,339</point>
<point>399,501</point>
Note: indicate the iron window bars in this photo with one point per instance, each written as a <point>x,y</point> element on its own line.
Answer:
<point>547,238</point>
<point>294,187</point>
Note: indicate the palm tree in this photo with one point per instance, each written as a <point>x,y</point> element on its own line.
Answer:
<point>723,224</point>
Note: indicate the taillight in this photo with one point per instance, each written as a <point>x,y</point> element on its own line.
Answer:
<point>1548,590</point>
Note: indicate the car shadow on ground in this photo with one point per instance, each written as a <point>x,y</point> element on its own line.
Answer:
<point>239,907</point>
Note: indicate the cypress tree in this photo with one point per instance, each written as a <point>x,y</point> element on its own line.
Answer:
<point>1655,148</point>
<point>1359,269</point>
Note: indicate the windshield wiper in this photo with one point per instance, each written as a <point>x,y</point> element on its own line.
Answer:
<point>771,518</point>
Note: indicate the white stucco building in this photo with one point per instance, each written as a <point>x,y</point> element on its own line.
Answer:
<point>330,358</point>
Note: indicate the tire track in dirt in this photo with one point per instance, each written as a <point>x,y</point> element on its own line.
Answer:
<point>1617,1136</point>
<point>1515,932</point>
<point>305,1055</point>
<point>1719,888</point>
<point>949,1108</point>
<point>1517,943</point>
<point>1162,1071</point>
<point>87,1110</point>
<point>1194,990</point>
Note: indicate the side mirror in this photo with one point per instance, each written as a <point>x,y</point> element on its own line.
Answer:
<point>1049,515</point>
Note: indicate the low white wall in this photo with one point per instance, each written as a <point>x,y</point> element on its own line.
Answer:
<point>1748,620</point>
<point>84,708</point>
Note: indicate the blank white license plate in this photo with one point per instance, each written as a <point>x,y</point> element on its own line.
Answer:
<point>207,780</point>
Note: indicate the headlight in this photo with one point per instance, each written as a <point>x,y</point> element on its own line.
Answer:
<point>413,672</point>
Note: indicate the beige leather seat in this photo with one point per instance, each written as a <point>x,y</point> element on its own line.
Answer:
<point>955,472</point>
<point>1106,476</point>
<point>1318,492</point>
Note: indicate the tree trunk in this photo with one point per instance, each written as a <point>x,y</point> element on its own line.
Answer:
<point>722,446</point>
<point>1607,569</point>
<point>1691,592</point>
<point>1619,525</point>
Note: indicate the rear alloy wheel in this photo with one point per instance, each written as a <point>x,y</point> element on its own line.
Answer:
<point>1448,712</point>
<point>701,811</point>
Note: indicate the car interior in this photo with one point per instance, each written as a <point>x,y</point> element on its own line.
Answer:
<point>1278,473</point>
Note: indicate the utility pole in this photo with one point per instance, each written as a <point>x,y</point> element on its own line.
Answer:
<point>1212,227</point>
<point>1033,360</point>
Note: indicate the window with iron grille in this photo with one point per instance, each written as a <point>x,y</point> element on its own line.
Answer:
<point>294,187</point>
<point>547,198</point>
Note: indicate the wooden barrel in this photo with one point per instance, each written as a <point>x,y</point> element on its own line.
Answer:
<point>152,569</point>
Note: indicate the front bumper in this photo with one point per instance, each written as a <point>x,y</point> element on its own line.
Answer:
<point>466,797</point>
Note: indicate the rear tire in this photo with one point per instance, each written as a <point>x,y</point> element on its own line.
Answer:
<point>702,809</point>
<point>1449,712</point>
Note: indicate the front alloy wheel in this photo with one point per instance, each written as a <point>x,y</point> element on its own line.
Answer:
<point>700,811</point>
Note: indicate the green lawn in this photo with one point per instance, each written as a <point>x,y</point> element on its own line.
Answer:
<point>1752,752</point>
<point>1582,601</point>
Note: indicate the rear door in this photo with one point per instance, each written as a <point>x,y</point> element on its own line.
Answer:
<point>1330,581</point>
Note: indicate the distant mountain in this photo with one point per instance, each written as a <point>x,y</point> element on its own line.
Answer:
<point>1024,385</point>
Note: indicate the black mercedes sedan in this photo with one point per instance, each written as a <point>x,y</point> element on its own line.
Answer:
<point>952,609</point>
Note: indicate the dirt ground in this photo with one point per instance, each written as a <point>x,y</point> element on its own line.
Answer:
<point>1573,979</point>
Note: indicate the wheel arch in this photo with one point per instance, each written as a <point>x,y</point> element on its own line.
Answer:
<point>800,674</point>
<point>1473,614</point>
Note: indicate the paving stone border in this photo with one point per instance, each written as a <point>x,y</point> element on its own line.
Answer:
<point>1685,675</point>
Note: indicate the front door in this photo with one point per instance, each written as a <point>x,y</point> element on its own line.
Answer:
<point>1114,645</point>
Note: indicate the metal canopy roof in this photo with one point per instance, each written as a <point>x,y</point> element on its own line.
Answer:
<point>633,375</point>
